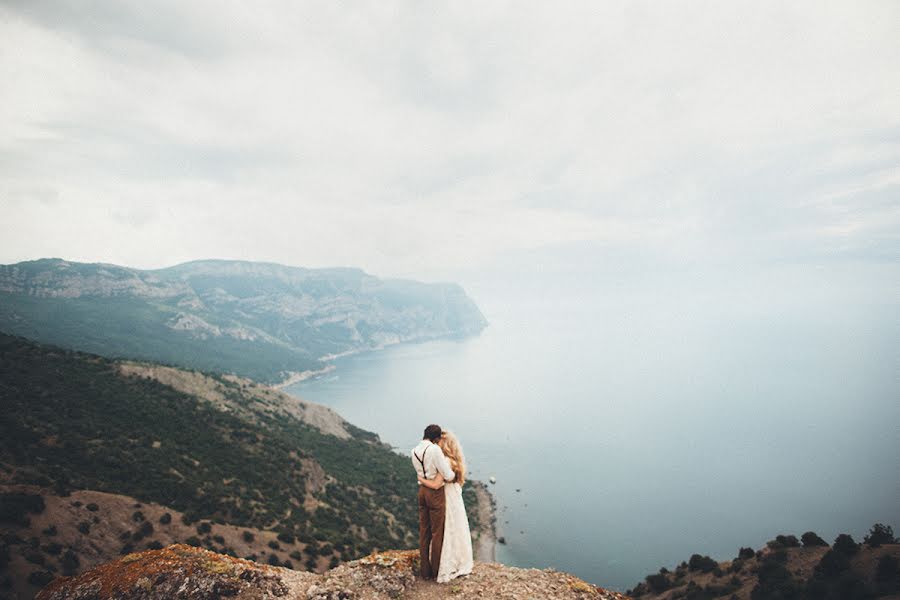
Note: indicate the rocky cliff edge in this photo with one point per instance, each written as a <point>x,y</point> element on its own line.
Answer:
<point>181,571</point>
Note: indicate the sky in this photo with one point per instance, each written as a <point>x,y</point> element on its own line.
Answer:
<point>445,139</point>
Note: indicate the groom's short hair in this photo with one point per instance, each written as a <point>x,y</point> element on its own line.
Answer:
<point>432,432</point>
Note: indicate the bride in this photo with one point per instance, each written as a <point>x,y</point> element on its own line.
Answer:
<point>456,553</point>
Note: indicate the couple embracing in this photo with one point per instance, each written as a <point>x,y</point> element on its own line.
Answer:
<point>445,544</point>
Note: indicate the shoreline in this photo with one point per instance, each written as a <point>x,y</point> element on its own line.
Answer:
<point>297,377</point>
<point>484,542</point>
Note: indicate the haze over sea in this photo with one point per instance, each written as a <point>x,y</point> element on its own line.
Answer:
<point>646,420</point>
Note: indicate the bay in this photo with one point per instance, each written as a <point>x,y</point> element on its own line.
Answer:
<point>630,426</point>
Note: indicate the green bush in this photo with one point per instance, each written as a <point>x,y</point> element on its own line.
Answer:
<point>165,519</point>
<point>810,540</point>
<point>249,537</point>
<point>658,583</point>
<point>844,544</point>
<point>54,549</point>
<point>84,527</point>
<point>69,563</point>
<point>703,564</point>
<point>40,578</point>
<point>880,534</point>
<point>286,537</point>
<point>14,507</point>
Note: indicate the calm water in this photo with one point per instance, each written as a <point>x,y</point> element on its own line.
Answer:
<point>633,426</point>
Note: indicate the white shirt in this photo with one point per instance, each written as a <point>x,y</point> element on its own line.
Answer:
<point>434,459</point>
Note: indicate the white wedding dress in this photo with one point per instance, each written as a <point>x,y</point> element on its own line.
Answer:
<point>456,553</point>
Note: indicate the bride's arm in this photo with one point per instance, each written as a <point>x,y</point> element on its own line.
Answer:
<point>434,484</point>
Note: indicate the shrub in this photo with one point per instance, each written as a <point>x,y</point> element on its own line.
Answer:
<point>138,516</point>
<point>880,534</point>
<point>783,541</point>
<point>745,553</point>
<point>219,540</point>
<point>288,564</point>
<point>69,563</point>
<point>658,583</point>
<point>165,519</point>
<point>887,575</point>
<point>204,527</point>
<point>845,545</point>
<point>273,560</point>
<point>40,578</point>
<point>154,545</point>
<point>335,561</point>
<point>193,541</point>
<point>34,557</point>
<point>274,545</point>
<point>14,507</point>
<point>775,581</point>
<point>84,527</point>
<point>286,537</point>
<point>249,537</point>
<point>53,549</point>
<point>296,555</point>
<point>146,528</point>
<point>127,548</point>
<point>832,564</point>
<point>92,506</point>
<point>703,564</point>
<point>810,539</point>
<point>311,563</point>
<point>50,531</point>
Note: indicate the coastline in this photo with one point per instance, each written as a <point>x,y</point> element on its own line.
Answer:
<point>297,377</point>
<point>484,540</point>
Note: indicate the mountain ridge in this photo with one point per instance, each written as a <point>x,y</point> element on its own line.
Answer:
<point>270,322</point>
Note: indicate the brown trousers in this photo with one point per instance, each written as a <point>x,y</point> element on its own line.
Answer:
<point>431,530</point>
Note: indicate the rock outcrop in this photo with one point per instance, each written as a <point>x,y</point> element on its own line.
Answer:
<point>181,571</point>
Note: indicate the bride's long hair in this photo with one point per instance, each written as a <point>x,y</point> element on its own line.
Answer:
<point>454,453</point>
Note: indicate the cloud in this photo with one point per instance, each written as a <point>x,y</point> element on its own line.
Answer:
<point>409,138</point>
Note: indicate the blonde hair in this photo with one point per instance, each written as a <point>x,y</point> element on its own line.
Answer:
<point>454,453</point>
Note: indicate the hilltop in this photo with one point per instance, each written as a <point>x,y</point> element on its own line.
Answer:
<point>788,568</point>
<point>184,572</point>
<point>268,322</point>
<point>102,457</point>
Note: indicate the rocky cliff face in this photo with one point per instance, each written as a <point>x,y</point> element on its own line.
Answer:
<point>260,320</point>
<point>183,572</point>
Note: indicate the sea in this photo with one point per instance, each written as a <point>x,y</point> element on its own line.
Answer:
<point>634,422</point>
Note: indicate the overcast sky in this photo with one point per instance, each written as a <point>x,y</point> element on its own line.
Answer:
<point>423,138</point>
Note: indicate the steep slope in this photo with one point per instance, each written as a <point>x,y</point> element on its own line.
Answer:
<point>205,448</point>
<point>265,321</point>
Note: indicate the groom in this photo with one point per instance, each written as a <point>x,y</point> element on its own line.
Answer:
<point>429,460</point>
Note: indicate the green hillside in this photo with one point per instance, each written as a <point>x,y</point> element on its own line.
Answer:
<point>75,421</point>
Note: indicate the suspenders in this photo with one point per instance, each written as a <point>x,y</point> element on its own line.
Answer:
<point>422,461</point>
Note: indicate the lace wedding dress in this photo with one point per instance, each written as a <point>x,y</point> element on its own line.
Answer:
<point>456,553</point>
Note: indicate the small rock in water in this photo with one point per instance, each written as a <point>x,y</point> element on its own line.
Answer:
<point>493,479</point>
<point>501,540</point>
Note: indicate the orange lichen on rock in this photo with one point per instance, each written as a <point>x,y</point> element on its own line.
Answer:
<point>400,560</point>
<point>156,573</point>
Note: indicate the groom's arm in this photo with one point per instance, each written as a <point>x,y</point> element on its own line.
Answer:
<point>443,467</point>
